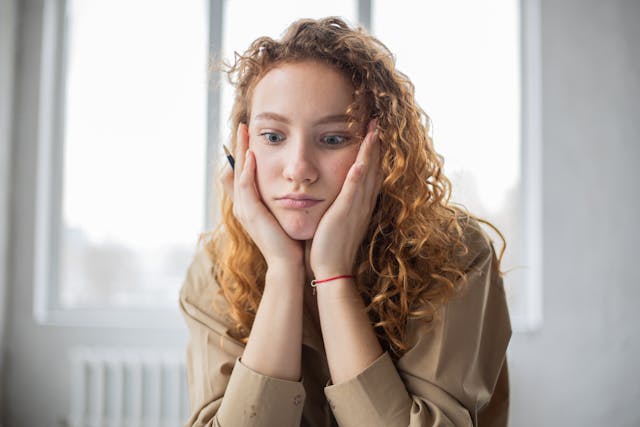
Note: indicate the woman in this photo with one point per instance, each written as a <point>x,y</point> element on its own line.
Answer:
<point>336,181</point>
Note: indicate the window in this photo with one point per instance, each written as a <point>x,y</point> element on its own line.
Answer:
<point>464,58</point>
<point>133,146</point>
<point>133,150</point>
<point>127,163</point>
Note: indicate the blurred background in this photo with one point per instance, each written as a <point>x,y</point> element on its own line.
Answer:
<point>111,124</point>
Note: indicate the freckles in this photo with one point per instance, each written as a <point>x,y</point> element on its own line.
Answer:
<point>340,168</point>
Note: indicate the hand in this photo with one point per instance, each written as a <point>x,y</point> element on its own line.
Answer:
<point>342,227</point>
<point>274,244</point>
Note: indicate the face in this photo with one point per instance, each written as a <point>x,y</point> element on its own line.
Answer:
<point>302,143</point>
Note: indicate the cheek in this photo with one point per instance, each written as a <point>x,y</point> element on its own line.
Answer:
<point>341,168</point>
<point>335,176</point>
<point>265,172</point>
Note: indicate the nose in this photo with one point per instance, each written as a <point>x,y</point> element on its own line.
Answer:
<point>300,162</point>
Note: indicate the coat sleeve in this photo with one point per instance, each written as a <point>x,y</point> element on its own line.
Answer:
<point>222,391</point>
<point>449,375</point>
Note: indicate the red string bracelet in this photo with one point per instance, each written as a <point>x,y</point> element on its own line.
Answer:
<point>314,283</point>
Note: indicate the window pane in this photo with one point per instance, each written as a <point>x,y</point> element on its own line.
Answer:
<point>134,150</point>
<point>463,57</point>
<point>268,19</point>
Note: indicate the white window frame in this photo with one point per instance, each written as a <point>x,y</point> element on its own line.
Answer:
<point>48,214</point>
<point>50,153</point>
<point>531,165</point>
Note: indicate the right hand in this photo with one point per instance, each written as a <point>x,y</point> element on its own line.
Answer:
<point>240,184</point>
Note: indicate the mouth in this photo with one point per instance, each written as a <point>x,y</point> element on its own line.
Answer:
<point>297,201</point>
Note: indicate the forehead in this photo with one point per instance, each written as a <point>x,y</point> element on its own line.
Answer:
<point>301,88</point>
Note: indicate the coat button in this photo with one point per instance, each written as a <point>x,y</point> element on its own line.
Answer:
<point>297,399</point>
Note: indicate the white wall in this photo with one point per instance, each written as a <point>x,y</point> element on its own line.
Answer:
<point>580,367</point>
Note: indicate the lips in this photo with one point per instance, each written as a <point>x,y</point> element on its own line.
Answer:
<point>297,201</point>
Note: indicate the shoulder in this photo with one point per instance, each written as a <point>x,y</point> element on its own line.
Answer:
<point>478,246</point>
<point>201,295</point>
<point>199,280</point>
<point>479,310</point>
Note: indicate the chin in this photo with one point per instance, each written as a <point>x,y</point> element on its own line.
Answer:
<point>300,234</point>
<point>300,230</point>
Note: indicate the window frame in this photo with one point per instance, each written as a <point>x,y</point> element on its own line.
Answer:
<point>531,164</point>
<point>49,182</point>
<point>48,214</point>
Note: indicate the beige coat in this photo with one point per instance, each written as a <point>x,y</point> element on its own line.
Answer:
<point>455,374</point>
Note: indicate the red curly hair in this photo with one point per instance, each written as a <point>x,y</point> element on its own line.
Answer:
<point>409,264</point>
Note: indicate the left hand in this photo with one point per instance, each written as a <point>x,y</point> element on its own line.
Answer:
<point>342,227</point>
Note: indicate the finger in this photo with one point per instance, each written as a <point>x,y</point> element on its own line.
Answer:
<point>242,144</point>
<point>368,158</point>
<point>371,171</point>
<point>360,180</point>
<point>247,175</point>
<point>374,146</point>
<point>249,191</point>
<point>374,157</point>
<point>360,171</point>
<point>365,146</point>
<point>373,126</point>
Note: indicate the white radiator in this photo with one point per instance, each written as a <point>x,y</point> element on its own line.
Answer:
<point>128,388</point>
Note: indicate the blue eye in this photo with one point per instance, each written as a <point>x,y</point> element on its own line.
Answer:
<point>272,137</point>
<point>334,140</point>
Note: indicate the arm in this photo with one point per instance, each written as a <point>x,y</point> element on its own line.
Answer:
<point>275,343</point>
<point>223,391</point>
<point>264,387</point>
<point>450,374</point>
<point>455,372</point>
<point>349,340</point>
<point>273,353</point>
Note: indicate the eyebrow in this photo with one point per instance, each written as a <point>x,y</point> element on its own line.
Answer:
<point>334,118</point>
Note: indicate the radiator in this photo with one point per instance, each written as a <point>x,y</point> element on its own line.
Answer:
<point>128,388</point>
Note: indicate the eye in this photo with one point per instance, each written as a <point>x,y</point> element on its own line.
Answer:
<point>335,140</point>
<point>272,137</point>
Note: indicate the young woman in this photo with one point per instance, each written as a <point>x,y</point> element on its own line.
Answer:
<point>341,287</point>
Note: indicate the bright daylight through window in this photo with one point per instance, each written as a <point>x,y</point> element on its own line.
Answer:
<point>464,59</point>
<point>135,128</point>
<point>134,150</point>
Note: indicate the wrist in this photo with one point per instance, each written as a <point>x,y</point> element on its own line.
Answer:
<point>293,263</point>
<point>316,282</point>
<point>328,272</point>
<point>340,287</point>
<point>285,272</point>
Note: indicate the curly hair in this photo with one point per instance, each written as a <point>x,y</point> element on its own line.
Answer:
<point>409,264</point>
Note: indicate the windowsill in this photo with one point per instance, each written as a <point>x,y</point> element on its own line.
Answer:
<point>113,318</point>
